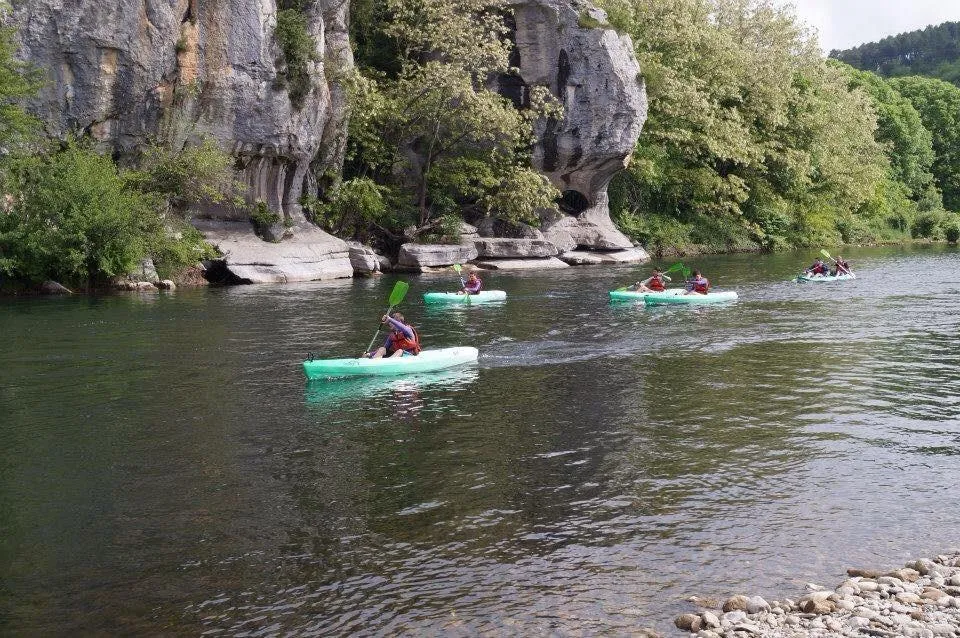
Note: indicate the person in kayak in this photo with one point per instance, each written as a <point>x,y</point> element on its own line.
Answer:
<point>818,268</point>
<point>403,340</point>
<point>698,284</point>
<point>841,267</point>
<point>653,283</point>
<point>473,286</point>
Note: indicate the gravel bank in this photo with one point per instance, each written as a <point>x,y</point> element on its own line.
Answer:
<point>919,600</point>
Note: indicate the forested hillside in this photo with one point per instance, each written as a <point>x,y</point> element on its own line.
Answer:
<point>755,140</point>
<point>933,52</point>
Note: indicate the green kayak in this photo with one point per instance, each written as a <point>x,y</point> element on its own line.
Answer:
<point>824,278</point>
<point>667,298</point>
<point>636,295</point>
<point>426,361</point>
<point>484,296</point>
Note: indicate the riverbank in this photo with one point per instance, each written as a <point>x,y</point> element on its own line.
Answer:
<point>919,600</point>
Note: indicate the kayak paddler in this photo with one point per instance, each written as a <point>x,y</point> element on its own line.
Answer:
<point>403,340</point>
<point>818,268</point>
<point>472,286</point>
<point>841,267</point>
<point>698,284</point>
<point>653,283</point>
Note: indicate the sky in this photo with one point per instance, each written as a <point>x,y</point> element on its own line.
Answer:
<point>846,23</point>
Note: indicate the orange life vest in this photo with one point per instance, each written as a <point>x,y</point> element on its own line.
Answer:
<point>399,341</point>
<point>656,283</point>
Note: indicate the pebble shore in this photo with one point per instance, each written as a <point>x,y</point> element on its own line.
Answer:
<point>919,600</point>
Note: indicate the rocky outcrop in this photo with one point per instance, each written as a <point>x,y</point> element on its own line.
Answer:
<point>365,261</point>
<point>416,256</point>
<point>134,72</point>
<point>545,263</point>
<point>598,258</point>
<point>514,248</point>
<point>309,255</point>
<point>594,74</point>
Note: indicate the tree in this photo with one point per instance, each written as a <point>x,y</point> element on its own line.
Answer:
<point>18,81</point>
<point>750,137</point>
<point>938,104</point>
<point>432,131</point>
<point>909,145</point>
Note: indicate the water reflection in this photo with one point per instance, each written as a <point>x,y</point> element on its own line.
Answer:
<point>400,392</point>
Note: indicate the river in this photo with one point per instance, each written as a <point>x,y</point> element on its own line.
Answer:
<point>165,468</point>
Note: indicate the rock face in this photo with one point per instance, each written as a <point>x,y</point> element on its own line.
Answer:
<point>130,72</point>
<point>594,74</point>
<point>514,248</point>
<point>310,255</point>
<point>430,255</point>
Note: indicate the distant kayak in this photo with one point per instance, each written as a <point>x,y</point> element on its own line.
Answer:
<point>426,361</point>
<point>484,296</point>
<point>824,278</point>
<point>636,295</point>
<point>669,297</point>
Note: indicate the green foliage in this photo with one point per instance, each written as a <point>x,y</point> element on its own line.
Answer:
<point>192,175</point>
<point>354,207</point>
<point>74,217</point>
<point>938,104</point>
<point>933,51</point>
<point>262,217</point>
<point>299,51</point>
<point>18,81</point>
<point>436,140</point>
<point>587,21</point>
<point>951,229</point>
<point>909,145</point>
<point>927,224</point>
<point>753,139</point>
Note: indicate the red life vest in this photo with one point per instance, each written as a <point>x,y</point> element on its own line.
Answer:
<point>656,283</point>
<point>399,341</point>
<point>701,285</point>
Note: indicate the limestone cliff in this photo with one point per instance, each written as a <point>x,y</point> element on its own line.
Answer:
<point>132,72</point>
<point>129,72</point>
<point>594,74</point>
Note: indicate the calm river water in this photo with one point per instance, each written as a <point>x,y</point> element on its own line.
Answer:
<point>165,468</point>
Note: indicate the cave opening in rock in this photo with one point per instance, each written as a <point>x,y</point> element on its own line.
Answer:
<point>573,202</point>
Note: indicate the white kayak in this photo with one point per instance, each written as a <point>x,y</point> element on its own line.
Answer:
<point>824,278</point>
<point>484,296</point>
<point>426,361</point>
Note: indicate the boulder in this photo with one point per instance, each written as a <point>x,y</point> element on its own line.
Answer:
<point>309,255</point>
<point>420,255</point>
<point>736,603</point>
<point>144,286</point>
<point>545,263</point>
<point>53,288</point>
<point>594,231</point>
<point>363,259</point>
<point>145,271</point>
<point>503,248</point>
<point>493,227</point>
<point>166,284</point>
<point>590,257</point>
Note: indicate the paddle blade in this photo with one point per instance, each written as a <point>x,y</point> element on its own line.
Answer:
<point>825,253</point>
<point>687,272</point>
<point>399,292</point>
<point>457,268</point>
<point>677,267</point>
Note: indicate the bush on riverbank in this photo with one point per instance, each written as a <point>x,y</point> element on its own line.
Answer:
<point>74,217</point>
